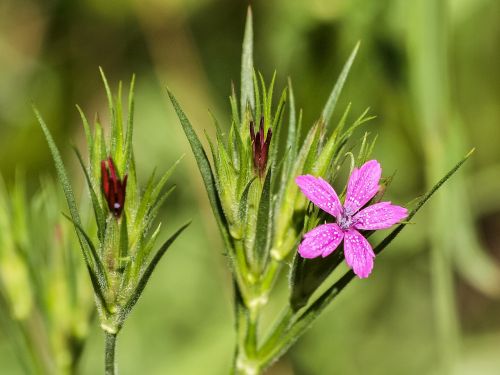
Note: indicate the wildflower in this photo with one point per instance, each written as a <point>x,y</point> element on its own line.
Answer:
<point>361,188</point>
<point>113,187</point>
<point>260,147</point>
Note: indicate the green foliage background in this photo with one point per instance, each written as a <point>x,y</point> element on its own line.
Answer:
<point>427,68</point>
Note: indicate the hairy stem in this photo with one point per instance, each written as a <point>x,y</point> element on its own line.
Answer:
<point>109,353</point>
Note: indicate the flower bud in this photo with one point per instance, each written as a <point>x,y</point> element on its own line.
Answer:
<point>113,187</point>
<point>260,147</point>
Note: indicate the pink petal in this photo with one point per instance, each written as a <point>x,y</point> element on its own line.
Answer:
<point>362,186</point>
<point>320,193</point>
<point>321,240</point>
<point>358,253</point>
<point>379,216</point>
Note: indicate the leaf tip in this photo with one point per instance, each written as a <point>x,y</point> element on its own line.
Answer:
<point>470,153</point>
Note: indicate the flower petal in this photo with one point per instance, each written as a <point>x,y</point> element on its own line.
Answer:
<point>362,186</point>
<point>320,193</point>
<point>379,216</point>
<point>322,240</point>
<point>358,253</point>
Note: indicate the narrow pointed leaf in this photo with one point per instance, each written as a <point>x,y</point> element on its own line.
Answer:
<point>257,112</point>
<point>243,206</point>
<point>382,245</point>
<point>262,228</point>
<point>112,111</point>
<point>98,211</point>
<point>119,155</point>
<point>337,89</point>
<point>98,275</point>
<point>247,89</point>
<point>130,124</point>
<point>90,246</point>
<point>159,186</point>
<point>64,180</point>
<point>86,128</point>
<point>292,130</point>
<point>146,199</point>
<point>155,207</point>
<point>61,170</point>
<point>204,167</point>
<point>123,243</point>
<point>234,105</point>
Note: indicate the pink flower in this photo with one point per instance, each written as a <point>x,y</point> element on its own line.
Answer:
<point>324,239</point>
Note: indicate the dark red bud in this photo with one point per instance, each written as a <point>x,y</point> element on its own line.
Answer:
<point>260,147</point>
<point>113,187</point>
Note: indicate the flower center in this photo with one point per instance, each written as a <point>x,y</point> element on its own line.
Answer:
<point>345,221</point>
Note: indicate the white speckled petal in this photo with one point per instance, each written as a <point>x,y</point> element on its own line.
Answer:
<point>362,186</point>
<point>358,253</point>
<point>320,193</point>
<point>321,241</point>
<point>379,216</point>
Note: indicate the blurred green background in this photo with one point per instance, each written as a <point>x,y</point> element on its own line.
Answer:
<point>429,69</point>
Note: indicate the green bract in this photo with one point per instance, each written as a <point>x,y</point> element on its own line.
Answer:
<point>121,257</point>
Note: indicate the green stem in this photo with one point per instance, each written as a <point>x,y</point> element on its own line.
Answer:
<point>109,353</point>
<point>251,332</point>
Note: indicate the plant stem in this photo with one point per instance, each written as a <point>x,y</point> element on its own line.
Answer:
<point>109,353</point>
<point>251,332</point>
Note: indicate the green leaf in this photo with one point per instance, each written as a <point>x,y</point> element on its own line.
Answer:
<point>158,203</point>
<point>90,257</point>
<point>325,157</point>
<point>159,186</point>
<point>312,152</point>
<point>98,211</point>
<point>112,111</point>
<point>386,241</point>
<point>269,101</point>
<point>145,202</point>
<point>149,271</point>
<point>234,105</point>
<point>61,171</point>
<point>292,131</point>
<point>98,152</point>
<point>205,169</point>
<point>276,125</point>
<point>262,240</point>
<point>337,89</point>
<point>247,89</point>
<point>243,206</point>
<point>122,259</point>
<point>130,124</point>
<point>86,128</point>
<point>258,111</point>
<point>119,154</point>
<point>88,243</point>
<point>62,175</point>
<point>98,276</point>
